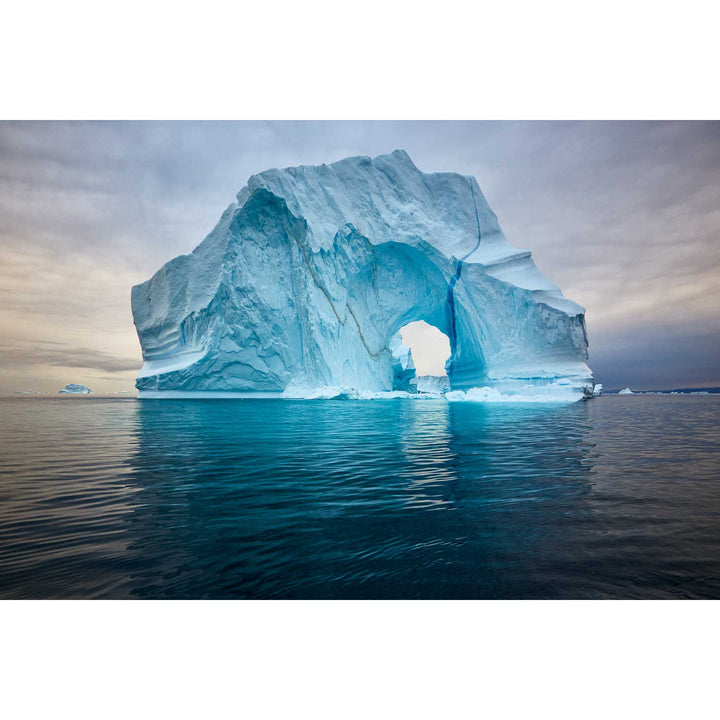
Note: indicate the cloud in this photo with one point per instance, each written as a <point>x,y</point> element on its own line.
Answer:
<point>60,355</point>
<point>647,359</point>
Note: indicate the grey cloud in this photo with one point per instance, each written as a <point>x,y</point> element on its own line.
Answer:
<point>646,359</point>
<point>59,355</point>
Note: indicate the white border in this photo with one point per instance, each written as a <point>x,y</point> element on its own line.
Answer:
<point>559,59</point>
<point>89,659</point>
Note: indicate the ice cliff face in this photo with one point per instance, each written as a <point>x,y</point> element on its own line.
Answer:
<point>309,276</point>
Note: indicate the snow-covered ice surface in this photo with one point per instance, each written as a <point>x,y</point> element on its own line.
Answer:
<point>303,285</point>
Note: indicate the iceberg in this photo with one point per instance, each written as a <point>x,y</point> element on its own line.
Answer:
<point>626,391</point>
<point>304,284</point>
<point>72,388</point>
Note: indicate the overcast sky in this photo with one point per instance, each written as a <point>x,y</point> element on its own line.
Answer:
<point>624,217</point>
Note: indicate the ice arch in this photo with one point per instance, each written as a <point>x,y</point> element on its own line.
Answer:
<point>308,278</point>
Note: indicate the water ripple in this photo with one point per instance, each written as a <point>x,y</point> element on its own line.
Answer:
<point>618,497</point>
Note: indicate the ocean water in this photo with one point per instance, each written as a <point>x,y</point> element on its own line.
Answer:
<point>118,498</point>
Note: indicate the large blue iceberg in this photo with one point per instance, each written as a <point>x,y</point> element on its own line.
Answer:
<point>303,285</point>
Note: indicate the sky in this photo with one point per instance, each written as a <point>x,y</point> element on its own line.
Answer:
<point>623,216</point>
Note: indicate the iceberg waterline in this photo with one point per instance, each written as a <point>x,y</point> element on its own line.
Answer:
<point>482,394</point>
<point>302,287</point>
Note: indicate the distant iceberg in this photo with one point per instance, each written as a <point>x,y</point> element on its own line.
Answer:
<point>626,391</point>
<point>307,279</point>
<point>72,388</point>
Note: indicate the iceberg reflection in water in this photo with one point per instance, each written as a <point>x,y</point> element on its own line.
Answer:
<point>386,499</point>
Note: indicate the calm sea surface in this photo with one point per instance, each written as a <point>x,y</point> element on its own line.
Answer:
<point>118,498</point>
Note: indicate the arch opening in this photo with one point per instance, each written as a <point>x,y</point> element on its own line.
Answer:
<point>430,352</point>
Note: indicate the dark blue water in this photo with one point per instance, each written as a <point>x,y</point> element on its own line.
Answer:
<point>614,498</point>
